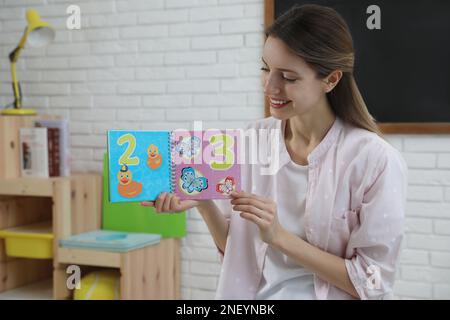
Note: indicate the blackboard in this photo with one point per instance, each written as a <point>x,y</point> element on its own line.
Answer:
<point>402,69</point>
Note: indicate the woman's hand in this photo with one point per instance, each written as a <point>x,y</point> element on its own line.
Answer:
<point>261,211</point>
<point>169,202</point>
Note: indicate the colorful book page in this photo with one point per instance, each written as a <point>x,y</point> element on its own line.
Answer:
<point>206,165</point>
<point>139,164</point>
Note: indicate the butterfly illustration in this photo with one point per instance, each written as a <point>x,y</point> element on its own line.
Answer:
<point>188,147</point>
<point>227,186</point>
<point>191,182</point>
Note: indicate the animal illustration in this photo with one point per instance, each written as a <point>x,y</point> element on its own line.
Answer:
<point>191,182</point>
<point>127,187</point>
<point>154,159</point>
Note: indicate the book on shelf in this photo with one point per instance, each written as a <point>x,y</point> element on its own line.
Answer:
<point>34,152</point>
<point>53,152</point>
<point>59,153</point>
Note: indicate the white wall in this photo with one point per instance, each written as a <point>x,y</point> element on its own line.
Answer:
<point>159,64</point>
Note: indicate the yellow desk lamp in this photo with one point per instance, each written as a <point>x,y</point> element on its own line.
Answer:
<point>37,34</point>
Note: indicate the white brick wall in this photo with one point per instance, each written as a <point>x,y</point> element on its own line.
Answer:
<point>160,64</point>
<point>424,271</point>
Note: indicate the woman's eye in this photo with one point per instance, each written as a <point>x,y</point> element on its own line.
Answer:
<point>265,69</point>
<point>288,79</point>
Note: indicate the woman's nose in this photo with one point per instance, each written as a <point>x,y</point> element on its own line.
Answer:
<point>270,86</point>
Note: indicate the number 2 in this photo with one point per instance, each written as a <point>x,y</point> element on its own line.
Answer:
<point>125,158</point>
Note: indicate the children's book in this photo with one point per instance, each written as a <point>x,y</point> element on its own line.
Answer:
<point>194,165</point>
<point>33,152</point>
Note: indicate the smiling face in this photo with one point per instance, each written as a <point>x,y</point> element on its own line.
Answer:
<point>291,85</point>
<point>125,177</point>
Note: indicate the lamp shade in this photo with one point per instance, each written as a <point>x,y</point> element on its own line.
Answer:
<point>40,33</point>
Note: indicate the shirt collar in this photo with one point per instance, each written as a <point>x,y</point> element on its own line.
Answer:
<point>319,151</point>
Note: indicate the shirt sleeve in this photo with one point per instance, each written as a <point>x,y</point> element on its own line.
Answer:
<point>226,209</point>
<point>376,243</point>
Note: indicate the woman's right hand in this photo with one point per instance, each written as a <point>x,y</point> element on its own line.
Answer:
<point>169,202</point>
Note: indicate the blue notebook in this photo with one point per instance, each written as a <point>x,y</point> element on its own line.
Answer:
<point>110,240</point>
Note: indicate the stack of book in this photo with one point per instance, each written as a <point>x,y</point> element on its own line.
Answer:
<point>44,149</point>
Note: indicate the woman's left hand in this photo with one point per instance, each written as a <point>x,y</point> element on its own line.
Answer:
<point>261,211</point>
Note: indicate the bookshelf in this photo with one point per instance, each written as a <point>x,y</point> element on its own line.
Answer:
<point>41,290</point>
<point>71,203</point>
<point>74,205</point>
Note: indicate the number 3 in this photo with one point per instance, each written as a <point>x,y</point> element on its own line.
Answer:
<point>221,143</point>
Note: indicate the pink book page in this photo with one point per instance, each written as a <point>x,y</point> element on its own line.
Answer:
<point>207,164</point>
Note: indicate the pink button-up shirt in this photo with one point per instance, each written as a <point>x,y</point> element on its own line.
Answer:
<point>355,207</point>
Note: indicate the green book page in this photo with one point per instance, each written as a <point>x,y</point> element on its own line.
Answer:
<point>132,217</point>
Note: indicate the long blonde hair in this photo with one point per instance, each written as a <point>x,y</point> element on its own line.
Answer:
<point>322,38</point>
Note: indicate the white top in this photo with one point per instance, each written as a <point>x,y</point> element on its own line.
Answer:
<point>282,277</point>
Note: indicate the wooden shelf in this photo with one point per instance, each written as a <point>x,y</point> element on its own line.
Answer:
<point>89,257</point>
<point>151,272</point>
<point>74,205</point>
<point>43,227</point>
<point>41,290</point>
<point>36,187</point>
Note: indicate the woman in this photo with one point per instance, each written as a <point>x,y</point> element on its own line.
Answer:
<point>329,223</point>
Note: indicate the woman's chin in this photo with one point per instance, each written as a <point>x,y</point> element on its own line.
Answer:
<point>281,113</point>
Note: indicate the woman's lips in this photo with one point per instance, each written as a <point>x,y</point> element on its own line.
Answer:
<point>277,104</point>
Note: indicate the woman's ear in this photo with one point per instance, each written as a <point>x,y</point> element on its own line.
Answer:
<point>332,80</point>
